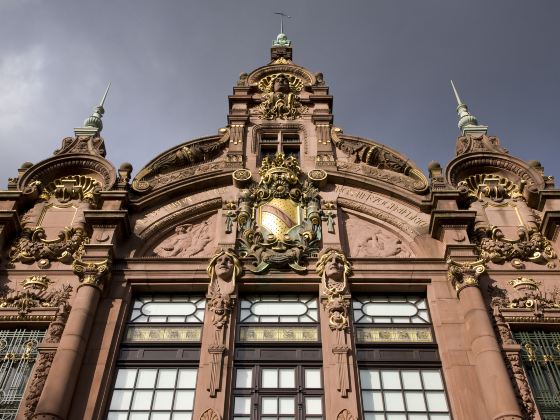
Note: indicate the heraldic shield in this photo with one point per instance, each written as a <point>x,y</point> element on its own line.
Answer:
<point>278,219</point>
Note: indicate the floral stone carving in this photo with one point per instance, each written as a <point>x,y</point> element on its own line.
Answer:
<point>280,96</point>
<point>189,240</point>
<point>279,219</point>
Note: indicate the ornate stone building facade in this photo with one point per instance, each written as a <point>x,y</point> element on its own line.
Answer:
<point>280,269</point>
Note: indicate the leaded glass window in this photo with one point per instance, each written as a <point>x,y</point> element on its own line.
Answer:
<point>540,354</point>
<point>18,352</point>
<point>279,309</point>
<point>166,318</point>
<point>403,394</point>
<point>275,393</point>
<point>392,319</point>
<point>390,309</point>
<point>153,394</point>
<point>168,308</point>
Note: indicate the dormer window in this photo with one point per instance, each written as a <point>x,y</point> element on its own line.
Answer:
<point>271,143</point>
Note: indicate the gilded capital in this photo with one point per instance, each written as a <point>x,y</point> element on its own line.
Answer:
<point>92,273</point>
<point>466,274</point>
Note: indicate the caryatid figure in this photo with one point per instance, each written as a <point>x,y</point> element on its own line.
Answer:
<point>334,267</point>
<point>224,268</point>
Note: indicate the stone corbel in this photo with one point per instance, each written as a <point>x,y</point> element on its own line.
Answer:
<point>464,274</point>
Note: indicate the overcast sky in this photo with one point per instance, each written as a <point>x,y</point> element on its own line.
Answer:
<point>173,63</point>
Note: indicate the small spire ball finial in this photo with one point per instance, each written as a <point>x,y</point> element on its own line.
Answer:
<point>94,120</point>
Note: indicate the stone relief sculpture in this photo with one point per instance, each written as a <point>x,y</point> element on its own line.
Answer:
<point>224,268</point>
<point>189,240</point>
<point>372,241</point>
<point>280,97</point>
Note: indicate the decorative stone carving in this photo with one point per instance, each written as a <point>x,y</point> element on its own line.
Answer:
<point>368,240</point>
<point>37,383</point>
<point>279,219</point>
<point>519,380</point>
<point>35,295</point>
<point>192,153</point>
<point>82,144</point>
<point>529,246</point>
<point>345,415</point>
<point>189,240</point>
<point>224,268</point>
<point>465,274</point>
<point>478,143</point>
<point>209,415</point>
<point>33,245</point>
<point>380,157</point>
<point>527,295</point>
<point>334,267</point>
<point>92,273</point>
<point>494,187</point>
<point>280,97</point>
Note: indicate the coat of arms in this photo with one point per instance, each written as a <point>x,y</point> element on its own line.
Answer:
<point>279,218</point>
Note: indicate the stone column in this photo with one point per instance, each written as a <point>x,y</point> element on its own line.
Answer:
<point>56,397</point>
<point>493,377</point>
<point>340,381</point>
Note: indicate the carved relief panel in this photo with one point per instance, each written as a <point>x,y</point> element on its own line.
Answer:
<point>189,240</point>
<point>368,240</point>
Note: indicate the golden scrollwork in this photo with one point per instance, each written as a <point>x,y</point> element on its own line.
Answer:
<point>164,334</point>
<point>494,187</point>
<point>394,335</point>
<point>92,273</point>
<point>75,187</point>
<point>278,334</point>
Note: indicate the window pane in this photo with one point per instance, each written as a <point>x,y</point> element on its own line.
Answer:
<point>242,405</point>
<point>432,379</point>
<point>370,379</point>
<point>138,416</point>
<point>160,416</point>
<point>163,400</point>
<point>117,416</point>
<point>396,417</point>
<point>166,378</point>
<point>390,379</point>
<point>181,416</point>
<point>243,378</point>
<point>184,400</point>
<point>415,401</point>
<point>121,400</point>
<point>146,378</point>
<point>313,405</point>
<point>286,406</point>
<point>440,417</point>
<point>372,401</point>
<point>436,401</point>
<point>411,379</point>
<point>142,400</point>
<point>187,378</point>
<point>269,405</point>
<point>374,417</point>
<point>418,417</point>
<point>287,378</point>
<point>270,378</point>
<point>393,401</point>
<point>312,378</point>
<point>125,378</point>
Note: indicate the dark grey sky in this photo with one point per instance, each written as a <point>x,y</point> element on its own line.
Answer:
<point>173,63</point>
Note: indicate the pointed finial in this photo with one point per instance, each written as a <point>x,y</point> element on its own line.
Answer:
<point>282,40</point>
<point>94,120</point>
<point>467,122</point>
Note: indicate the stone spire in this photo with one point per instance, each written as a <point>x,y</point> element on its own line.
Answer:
<point>468,124</point>
<point>93,124</point>
<point>281,46</point>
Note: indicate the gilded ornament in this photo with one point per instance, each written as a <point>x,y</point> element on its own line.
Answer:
<point>279,218</point>
<point>280,97</point>
<point>494,187</point>
<point>36,282</point>
<point>76,187</point>
<point>92,273</point>
<point>466,274</point>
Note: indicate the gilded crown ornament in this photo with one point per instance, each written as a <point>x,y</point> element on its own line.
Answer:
<point>36,282</point>
<point>280,97</point>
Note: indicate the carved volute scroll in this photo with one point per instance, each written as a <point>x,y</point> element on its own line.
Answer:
<point>224,269</point>
<point>334,267</point>
<point>464,274</point>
